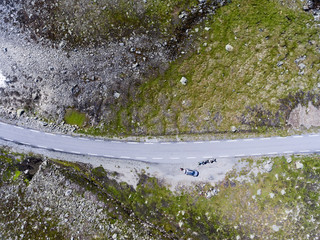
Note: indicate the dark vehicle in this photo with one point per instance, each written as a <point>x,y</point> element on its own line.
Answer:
<point>210,160</point>
<point>191,172</point>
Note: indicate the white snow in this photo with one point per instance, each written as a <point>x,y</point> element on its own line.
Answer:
<point>2,81</point>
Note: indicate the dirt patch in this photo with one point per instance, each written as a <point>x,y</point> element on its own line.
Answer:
<point>304,116</point>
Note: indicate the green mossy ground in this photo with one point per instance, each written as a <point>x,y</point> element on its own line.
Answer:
<point>252,87</point>
<point>75,117</point>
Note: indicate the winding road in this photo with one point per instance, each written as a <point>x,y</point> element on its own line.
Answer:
<point>164,152</point>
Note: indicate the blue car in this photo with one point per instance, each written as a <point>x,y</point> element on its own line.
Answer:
<point>191,172</point>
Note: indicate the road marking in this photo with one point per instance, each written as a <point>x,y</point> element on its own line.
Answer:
<point>215,141</point>
<point>191,157</point>
<point>256,154</point>
<point>239,155</point>
<point>207,157</point>
<point>318,150</point>
<point>49,134</point>
<point>92,154</point>
<point>59,150</point>
<point>108,156</point>
<point>272,153</point>
<point>297,136</point>
<point>132,142</point>
<point>124,157</point>
<point>141,158</point>
<point>288,152</point>
<point>224,156</point>
<point>165,143</point>
<point>84,139</point>
<point>232,140</point>
<point>157,158</point>
<point>304,151</point>
<point>314,135</point>
<point>98,140</point>
<point>262,139</point>
<point>34,131</point>
<point>17,127</point>
<point>148,143</point>
<point>174,158</point>
<point>3,123</point>
<point>181,143</point>
<point>115,141</point>
<point>39,146</point>
<point>198,142</point>
<point>281,137</point>
<point>75,152</point>
<point>248,140</point>
<point>64,136</point>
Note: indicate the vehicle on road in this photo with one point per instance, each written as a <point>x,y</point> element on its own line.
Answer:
<point>191,172</point>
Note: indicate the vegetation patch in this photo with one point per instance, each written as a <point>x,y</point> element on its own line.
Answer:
<point>75,117</point>
<point>272,54</point>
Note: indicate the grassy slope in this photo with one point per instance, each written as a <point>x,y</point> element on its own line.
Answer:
<point>229,88</point>
<point>238,209</point>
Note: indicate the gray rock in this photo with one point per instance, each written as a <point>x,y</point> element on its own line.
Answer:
<point>268,166</point>
<point>279,64</point>
<point>68,192</point>
<point>275,228</point>
<point>302,66</point>
<point>183,81</point>
<point>233,129</point>
<point>116,95</point>
<point>259,192</point>
<point>289,159</point>
<point>229,48</point>
<point>299,165</point>
<point>20,112</point>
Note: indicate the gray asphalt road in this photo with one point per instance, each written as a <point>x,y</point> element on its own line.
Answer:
<point>164,152</point>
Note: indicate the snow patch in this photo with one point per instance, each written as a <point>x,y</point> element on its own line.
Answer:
<point>2,81</point>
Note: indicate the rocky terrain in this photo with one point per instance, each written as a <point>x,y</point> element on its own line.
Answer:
<point>89,60</point>
<point>154,68</point>
<point>267,198</point>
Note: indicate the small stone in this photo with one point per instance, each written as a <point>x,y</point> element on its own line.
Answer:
<point>275,228</point>
<point>229,48</point>
<point>268,166</point>
<point>116,95</point>
<point>271,195</point>
<point>238,237</point>
<point>254,197</point>
<point>279,64</point>
<point>207,28</point>
<point>299,165</point>
<point>302,66</point>
<point>183,81</point>
<point>276,176</point>
<point>259,192</point>
<point>233,129</point>
<point>68,192</point>
<point>251,236</point>
<point>283,192</point>
<point>114,236</point>
<point>5,50</point>
<point>289,159</point>
<point>318,85</point>
<point>20,112</point>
